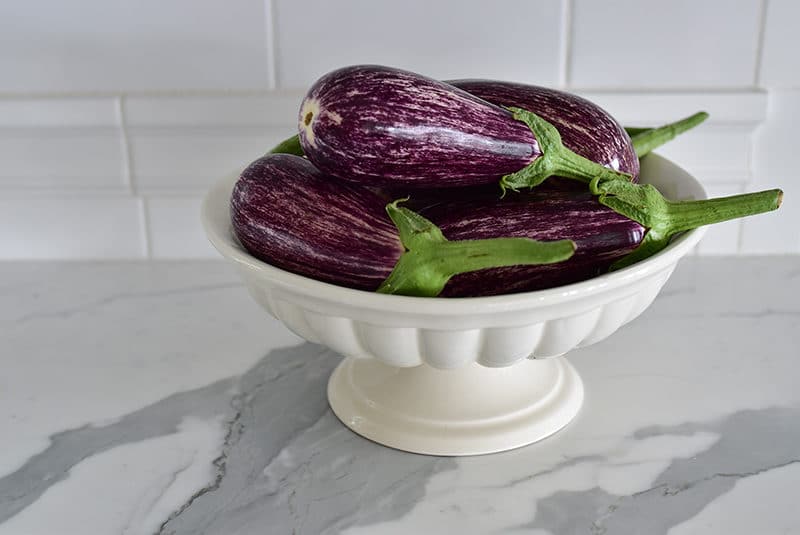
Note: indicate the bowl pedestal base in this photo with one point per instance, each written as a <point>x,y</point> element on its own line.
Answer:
<point>469,410</point>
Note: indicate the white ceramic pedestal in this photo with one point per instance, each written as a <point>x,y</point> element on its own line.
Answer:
<point>419,376</point>
<point>469,410</point>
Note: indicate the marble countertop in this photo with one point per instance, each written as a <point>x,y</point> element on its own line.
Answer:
<point>158,398</point>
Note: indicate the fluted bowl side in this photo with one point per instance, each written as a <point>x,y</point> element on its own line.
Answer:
<point>495,331</point>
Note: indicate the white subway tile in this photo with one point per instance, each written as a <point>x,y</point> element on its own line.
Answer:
<point>175,229</point>
<point>96,45</point>
<point>168,159</point>
<point>780,61</point>
<point>722,238</point>
<point>509,39</point>
<point>713,153</point>
<point>651,108</point>
<point>58,112</point>
<point>186,143</point>
<point>99,228</point>
<point>59,158</point>
<point>652,43</point>
<point>775,152</point>
<point>276,109</point>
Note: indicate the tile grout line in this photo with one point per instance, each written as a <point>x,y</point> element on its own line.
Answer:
<point>127,174</point>
<point>155,93</point>
<point>750,180</point>
<point>130,179</point>
<point>565,50</point>
<point>762,30</point>
<point>725,189</point>
<point>144,218</point>
<point>628,90</point>
<point>742,187</point>
<point>270,42</point>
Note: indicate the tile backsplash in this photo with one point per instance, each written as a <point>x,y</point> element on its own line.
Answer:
<point>144,45</point>
<point>510,39</point>
<point>116,116</point>
<point>675,44</point>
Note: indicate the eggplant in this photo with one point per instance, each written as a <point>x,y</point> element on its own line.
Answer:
<point>290,214</point>
<point>613,224</point>
<point>663,218</point>
<point>643,139</point>
<point>285,212</point>
<point>601,235</point>
<point>585,127</point>
<point>380,126</point>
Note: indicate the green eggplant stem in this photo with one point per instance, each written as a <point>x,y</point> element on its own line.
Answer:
<point>646,140</point>
<point>288,146</point>
<point>636,130</point>
<point>663,218</point>
<point>556,159</point>
<point>430,259</point>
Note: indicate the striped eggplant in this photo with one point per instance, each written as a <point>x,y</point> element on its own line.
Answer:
<point>285,212</point>
<point>290,214</point>
<point>601,235</point>
<point>644,140</point>
<point>381,126</point>
<point>613,224</point>
<point>585,127</point>
<point>663,218</point>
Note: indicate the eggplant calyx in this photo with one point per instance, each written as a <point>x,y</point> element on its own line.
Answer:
<point>288,146</point>
<point>430,259</point>
<point>663,218</point>
<point>555,158</point>
<point>646,140</point>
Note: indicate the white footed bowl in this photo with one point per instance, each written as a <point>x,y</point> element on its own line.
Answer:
<point>457,376</point>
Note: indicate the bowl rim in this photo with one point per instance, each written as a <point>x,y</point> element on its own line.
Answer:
<point>222,238</point>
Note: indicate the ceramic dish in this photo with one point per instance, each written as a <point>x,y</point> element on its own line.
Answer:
<point>457,376</point>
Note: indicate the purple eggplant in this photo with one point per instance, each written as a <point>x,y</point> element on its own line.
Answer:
<point>613,224</point>
<point>286,212</point>
<point>290,214</point>
<point>663,218</point>
<point>601,235</point>
<point>585,127</point>
<point>380,126</point>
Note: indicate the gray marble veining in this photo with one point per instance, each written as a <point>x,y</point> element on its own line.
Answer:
<point>22,487</point>
<point>751,442</point>
<point>298,470</point>
<point>691,422</point>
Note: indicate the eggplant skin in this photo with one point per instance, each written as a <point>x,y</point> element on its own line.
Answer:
<point>383,126</point>
<point>600,234</point>
<point>585,128</point>
<point>291,215</point>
